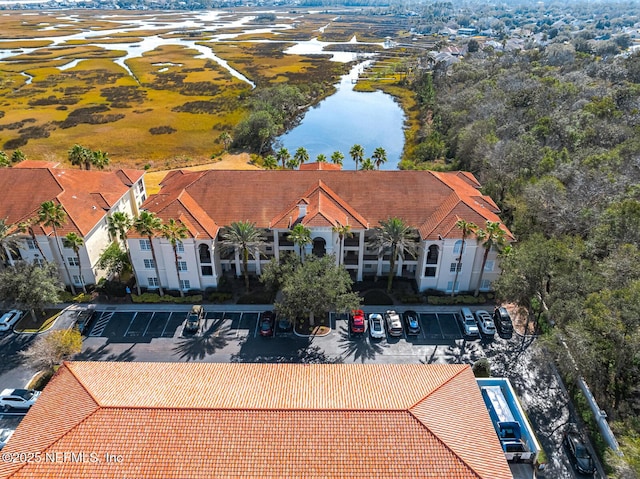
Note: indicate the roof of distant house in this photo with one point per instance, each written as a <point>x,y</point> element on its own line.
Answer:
<point>429,201</point>
<point>260,420</point>
<point>86,196</point>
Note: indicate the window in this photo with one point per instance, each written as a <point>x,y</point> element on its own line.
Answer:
<point>76,280</point>
<point>486,285</point>
<point>185,284</point>
<point>180,247</point>
<point>38,261</point>
<point>153,282</point>
<point>430,271</point>
<point>432,254</point>
<point>145,245</point>
<point>454,266</point>
<point>31,244</point>
<point>457,246</point>
<point>207,271</point>
<point>488,266</point>
<point>140,186</point>
<point>450,286</point>
<point>149,264</point>
<point>73,261</point>
<point>182,266</point>
<point>142,198</point>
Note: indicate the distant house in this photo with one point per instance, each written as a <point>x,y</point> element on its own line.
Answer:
<point>189,420</point>
<point>321,198</point>
<point>87,197</point>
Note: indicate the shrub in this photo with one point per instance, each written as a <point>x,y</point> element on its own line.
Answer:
<point>411,298</point>
<point>481,368</point>
<point>155,298</point>
<point>258,297</point>
<point>67,297</point>
<point>376,297</point>
<point>216,297</point>
<point>114,288</point>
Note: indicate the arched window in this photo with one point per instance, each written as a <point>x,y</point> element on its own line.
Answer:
<point>457,247</point>
<point>432,254</point>
<point>205,253</point>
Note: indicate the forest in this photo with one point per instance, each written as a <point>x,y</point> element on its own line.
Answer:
<point>553,134</point>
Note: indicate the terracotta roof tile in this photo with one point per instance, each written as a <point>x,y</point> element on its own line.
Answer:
<point>261,420</point>
<point>269,198</point>
<point>84,195</point>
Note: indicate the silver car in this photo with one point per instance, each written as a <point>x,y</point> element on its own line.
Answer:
<point>18,399</point>
<point>376,326</point>
<point>394,325</point>
<point>485,322</point>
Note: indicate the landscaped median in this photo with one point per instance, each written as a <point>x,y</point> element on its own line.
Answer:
<point>44,320</point>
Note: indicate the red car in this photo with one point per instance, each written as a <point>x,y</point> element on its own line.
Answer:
<point>267,323</point>
<point>357,321</point>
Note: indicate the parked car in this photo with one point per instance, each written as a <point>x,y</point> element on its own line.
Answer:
<point>267,323</point>
<point>357,321</point>
<point>21,399</point>
<point>411,322</point>
<point>285,324</point>
<point>8,320</point>
<point>394,325</point>
<point>502,321</point>
<point>376,326</point>
<point>485,322</point>
<point>578,453</point>
<point>194,318</point>
<point>85,320</point>
<point>469,325</point>
<point>5,435</point>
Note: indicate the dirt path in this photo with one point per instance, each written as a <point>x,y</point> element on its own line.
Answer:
<point>229,162</point>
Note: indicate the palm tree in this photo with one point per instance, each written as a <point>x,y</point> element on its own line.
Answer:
<point>367,165</point>
<point>53,215</point>
<point>4,160</point>
<point>175,232</point>
<point>118,224</point>
<point>357,154</point>
<point>245,237</point>
<point>270,162</point>
<point>148,224</point>
<point>99,159</point>
<point>396,235</point>
<point>27,227</point>
<point>80,156</point>
<point>343,231</point>
<point>18,156</point>
<point>9,242</point>
<point>301,155</point>
<point>283,156</point>
<point>492,236</point>
<point>75,242</point>
<point>301,236</point>
<point>292,163</point>
<point>467,228</point>
<point>336,158</point>
<point>321,158</point>
<point>379,157</point>
<point>226,140</point>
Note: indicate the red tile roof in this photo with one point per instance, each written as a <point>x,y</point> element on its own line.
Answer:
<point>84,195</point>
<point>260,420</point>
<point>429,201</point>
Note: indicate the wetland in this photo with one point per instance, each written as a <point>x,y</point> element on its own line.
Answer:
<point>157,89</point>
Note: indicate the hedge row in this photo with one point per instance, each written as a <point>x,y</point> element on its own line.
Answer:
<point>155,298</point>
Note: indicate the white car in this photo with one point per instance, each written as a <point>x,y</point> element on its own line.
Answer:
<point>18,399</point>
<point>485,322</point>
<point>9,319</point>
<point>394,325</point>
<point>5,435</point>
<point>376,326</point>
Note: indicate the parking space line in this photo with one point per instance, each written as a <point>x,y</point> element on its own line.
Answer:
<point>102,322</point>
<point>144,333</point>
<point>130,323</point>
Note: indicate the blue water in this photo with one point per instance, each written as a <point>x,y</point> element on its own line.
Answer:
<point>348,117</point>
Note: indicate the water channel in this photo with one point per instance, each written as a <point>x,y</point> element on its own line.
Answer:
<point>336,124</point>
